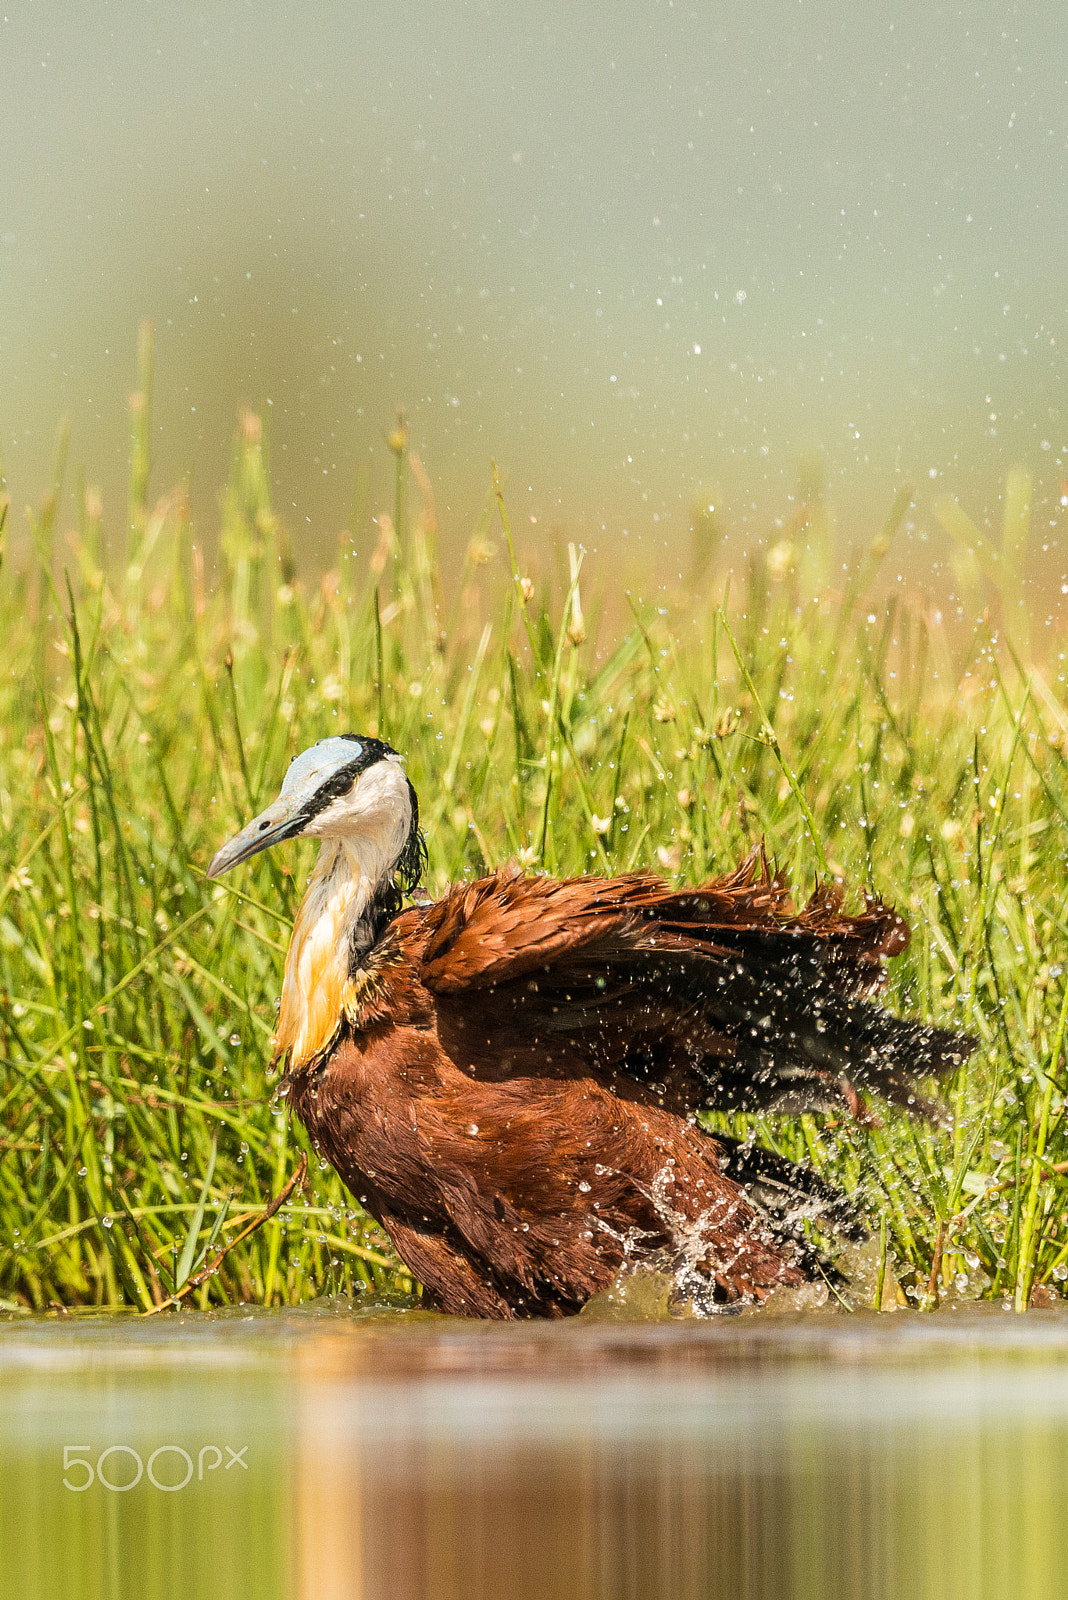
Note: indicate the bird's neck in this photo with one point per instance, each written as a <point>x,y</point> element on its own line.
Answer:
<point>335,927</point>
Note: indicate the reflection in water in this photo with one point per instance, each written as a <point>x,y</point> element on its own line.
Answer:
<point>420,1457</point>
<point>226,1534</point>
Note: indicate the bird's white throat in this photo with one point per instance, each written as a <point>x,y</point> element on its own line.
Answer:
<point>364,833</point>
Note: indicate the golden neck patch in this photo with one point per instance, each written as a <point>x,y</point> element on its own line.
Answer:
<point>316,989</point>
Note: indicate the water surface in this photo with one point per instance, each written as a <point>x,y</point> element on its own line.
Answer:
<point>388,1455</point>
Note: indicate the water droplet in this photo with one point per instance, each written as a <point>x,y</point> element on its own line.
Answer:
<point>83,1172</point>
<point>106,1221</point>
<point>584,1187</point>
<point>235,1039</point>
<point>472,1128</point>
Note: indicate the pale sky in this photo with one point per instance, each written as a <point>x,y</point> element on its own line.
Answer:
<point>636,252</point>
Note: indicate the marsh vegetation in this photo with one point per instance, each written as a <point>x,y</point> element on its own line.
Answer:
<point>149,706</point>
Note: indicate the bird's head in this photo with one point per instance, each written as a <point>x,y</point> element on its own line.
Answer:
<point>349,789</point>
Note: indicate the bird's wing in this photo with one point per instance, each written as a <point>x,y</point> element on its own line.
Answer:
<point>502,928</point>
<point>762,1003</point>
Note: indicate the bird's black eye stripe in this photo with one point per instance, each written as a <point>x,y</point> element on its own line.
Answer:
<point>341,782</point>
<point>370,751</point>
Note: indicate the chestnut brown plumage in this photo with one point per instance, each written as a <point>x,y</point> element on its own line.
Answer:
<point>508,1078</point>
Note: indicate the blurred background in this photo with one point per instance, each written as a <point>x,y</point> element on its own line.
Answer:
<point>648,257</point>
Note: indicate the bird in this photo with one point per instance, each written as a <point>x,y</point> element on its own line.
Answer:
<point>510,1078</point>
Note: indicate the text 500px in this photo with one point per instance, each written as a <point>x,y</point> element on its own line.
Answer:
<point>169,1467</point>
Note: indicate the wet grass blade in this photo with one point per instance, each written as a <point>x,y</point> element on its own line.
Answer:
<point>189,1248</point>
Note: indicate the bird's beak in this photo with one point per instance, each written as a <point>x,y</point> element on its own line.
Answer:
<point>309,784</point>
<point>282,820</point>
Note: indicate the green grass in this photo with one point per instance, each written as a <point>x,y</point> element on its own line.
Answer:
<point>145,714</point>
